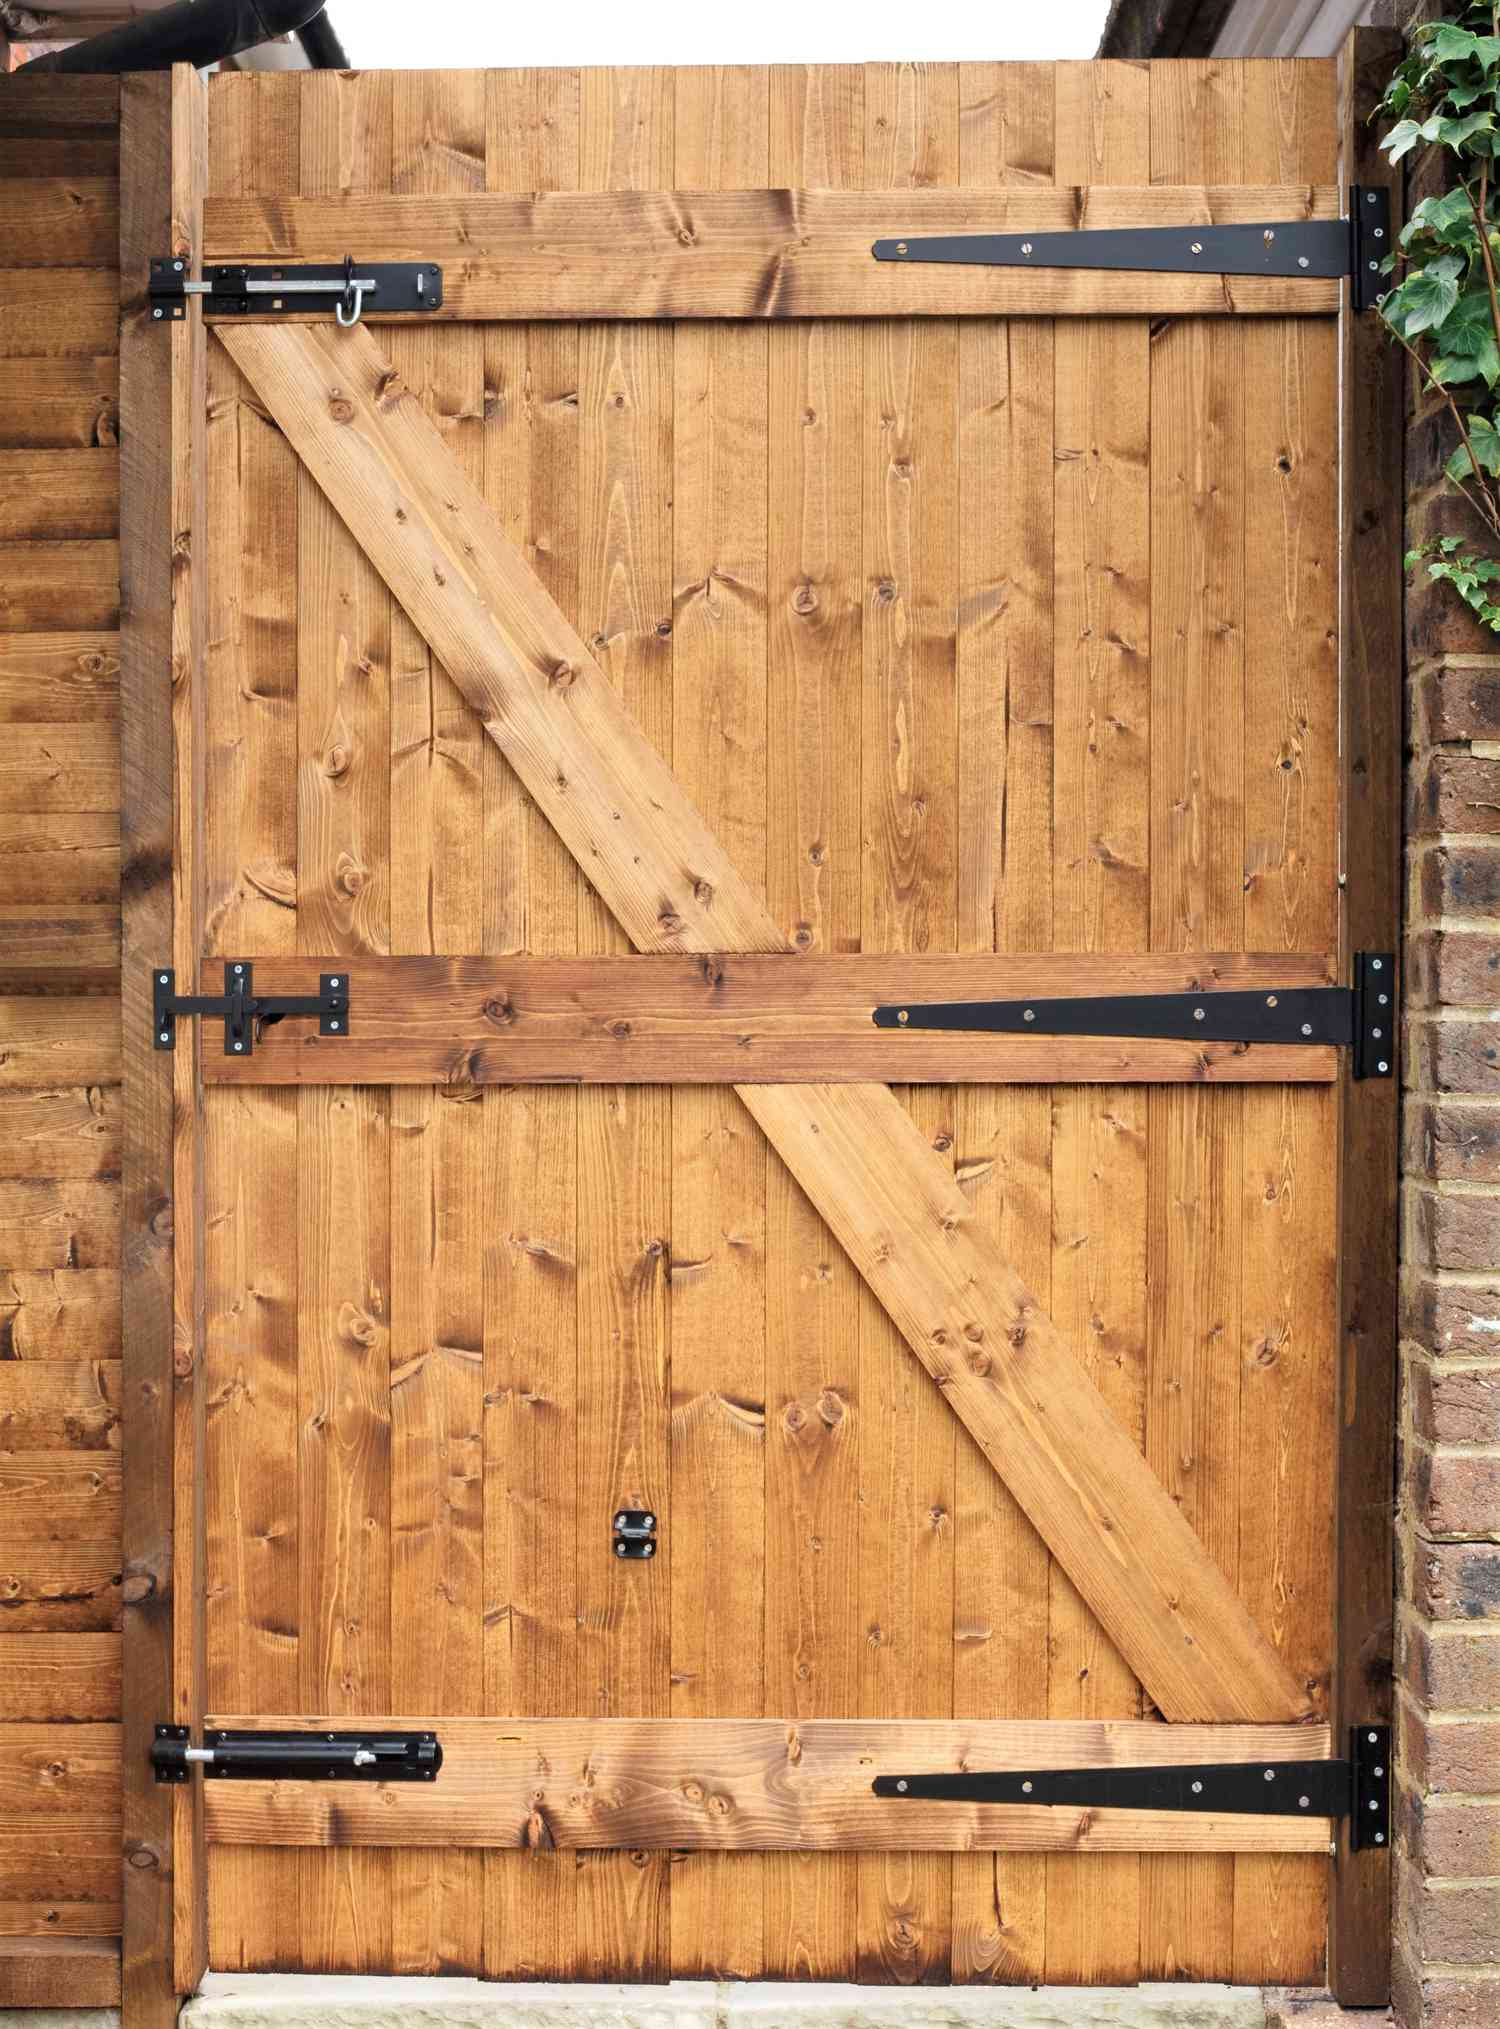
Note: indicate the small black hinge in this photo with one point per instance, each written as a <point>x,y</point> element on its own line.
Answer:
<point>243,1012</point>
<point>297,1757</point>
<point>635,1533</point>
<point>1303,249</point>
<point>1360,1015</point>
<point>349,288</point>
<point>1358,1789</point>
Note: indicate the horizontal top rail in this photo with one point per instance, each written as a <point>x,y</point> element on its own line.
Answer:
<point>573,255</point>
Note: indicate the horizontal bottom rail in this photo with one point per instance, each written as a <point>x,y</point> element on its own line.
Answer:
<point>750,1785</point>
<point>753,1019</point>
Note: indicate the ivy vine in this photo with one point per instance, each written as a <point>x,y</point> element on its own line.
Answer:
<point>1445,308</point>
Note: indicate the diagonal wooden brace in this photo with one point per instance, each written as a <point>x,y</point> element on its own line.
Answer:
<point>894,1206</point>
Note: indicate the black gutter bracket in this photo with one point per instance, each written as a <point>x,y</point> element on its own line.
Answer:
<point>1361,1017</point>
<point>243,1012</point>
<point>1310,249</point>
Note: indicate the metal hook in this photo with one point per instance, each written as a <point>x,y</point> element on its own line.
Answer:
<point>353,298</point>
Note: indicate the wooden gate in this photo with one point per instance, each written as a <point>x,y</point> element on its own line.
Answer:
<point>841,635</point>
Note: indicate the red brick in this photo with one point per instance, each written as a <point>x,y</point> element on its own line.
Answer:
<point>1459,699</point>
<point>1451,1318</point>
<point>1444,1752</point>
<point>1447,1140</point>
<point>1459,879</point>
<point>1437,620</point>
<point>1453,968</point>
<point>1452,1665</point>
<point>1454,1229</point>
<point>1453,1922</point>
<point>1455,1055</point>
<point>1449,1835</point>
<point>1424,2000</point>
<point>1454,792</point>
<point>1453,1405</point>
<point>1452,1492</point>
<point>1452,1581</point>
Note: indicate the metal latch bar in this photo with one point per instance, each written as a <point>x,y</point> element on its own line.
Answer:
<point>243,1012</point>
<point>1361,1016</point>
<point>1307,248</point>
<point>349,290</point>
<point>1358,1788</point>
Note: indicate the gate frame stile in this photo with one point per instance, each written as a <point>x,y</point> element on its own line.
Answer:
<point>1371,666</point>
<point>163,176</point>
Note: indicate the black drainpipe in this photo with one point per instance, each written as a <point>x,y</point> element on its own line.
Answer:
<point>199,32</point>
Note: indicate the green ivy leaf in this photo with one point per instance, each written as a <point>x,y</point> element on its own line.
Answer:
<point>1425,298</point>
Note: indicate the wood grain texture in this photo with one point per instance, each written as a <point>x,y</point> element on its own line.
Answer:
<point>756,254</point>
<point>48,494</point>
<point>72,1041</point>
<point>58,313</point>
<point>1372,390</point>
<point>63,404</point>
<point>760,1784</point>
<point>69,767</point>
<point>72,1677</point>
<point>48,1972</point>
<point>58,586</point>
<point>60,222</point>
<point>294,374</point>
<point>50,678</point>
<point>60,1314</point>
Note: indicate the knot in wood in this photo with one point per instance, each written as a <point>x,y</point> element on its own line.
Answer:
<point>499,1011</point>
<point>340,409</point>
<point>804,600</point>
<point>620,1031</point>
<point>561,676</point>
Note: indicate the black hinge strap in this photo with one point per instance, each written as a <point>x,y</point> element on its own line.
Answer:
<point>1361,1016</point>
<point>1295,248</point>
<point>243,1012</point>
<point>1358,1789</point>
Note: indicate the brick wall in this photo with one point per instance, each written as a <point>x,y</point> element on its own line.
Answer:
<point>1447,1952</point>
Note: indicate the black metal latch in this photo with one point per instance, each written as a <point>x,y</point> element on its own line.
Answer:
<point>635,1533</point>
<point>1361,1016</point>
<point>296,1757</point>
<point>348,288</point>
<point>1355,246</point>
<point>1358,1789</point>
<point>244,1012</point>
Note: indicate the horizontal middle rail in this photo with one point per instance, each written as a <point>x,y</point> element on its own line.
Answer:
<point>749,1019</point>
<point>573,255</point>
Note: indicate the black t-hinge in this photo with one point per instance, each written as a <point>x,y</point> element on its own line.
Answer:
<point>244,1012</point>
<point>1297,248</point>
<point>1358,1789</point>
<point>1360,1017</point>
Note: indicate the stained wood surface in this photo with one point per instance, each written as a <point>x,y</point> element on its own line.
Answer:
<point>712,252</point>
<point>946,605</point>
<point>727,1020</point>
<point>59,1972</point>
<point>742,1785</point>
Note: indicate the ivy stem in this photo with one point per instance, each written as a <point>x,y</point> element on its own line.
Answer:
<point>1486,506</point>
<point>1480,210</point>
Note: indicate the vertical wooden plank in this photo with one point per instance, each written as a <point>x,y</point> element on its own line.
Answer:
<point>1005,713</point>
<point>439,1204</point>
<point>907,1444</point>
<point>625,611</point>
<point>164,169</point>
<point>250,1137</point>
<point>813,1410</point>
<point>1197,839</point>
<point>718,1277</point>
<point>531,427</point>
<point>1288,1215</point>
<point>1101,852</point>
<point>343,1299</point>
<point>1371,394</point>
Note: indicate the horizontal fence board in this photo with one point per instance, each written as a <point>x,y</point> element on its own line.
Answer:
<point>72,767</point>
<point>60,1313</point>
<point>50,678</point>
<point>59,1497</point>
<point>58,1222</point>
<point>59,856</point>
<point>70,221</point>
<point>65,1677</point>
<point>59,1588</point>
<point>768,253</point>
<point>60,1919</point>
<point>45,105</point>
<point>61,403</point>
<point>60,1774</point>
<point>754,1785</point>
<point>57,313</point>
<point>56,1972</point>
<point>739,1019</point>
<point>58,1040</point>
<point>52,1405</point>
<point>68,1133</point>
<point>56,948</point>
<point>49,494</point>
<point>65,585</point>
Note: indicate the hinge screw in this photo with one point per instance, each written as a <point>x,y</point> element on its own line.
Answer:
<point>1307,1028</point>
<point>1197,1014</point>
<point>901,1785</point>
<point>239,1047</point>
<point>1302,261</point>
<point>1197,246</point>
<point>1303,1801</point>
<point>1383,1067</point>
<point>1026,246</point>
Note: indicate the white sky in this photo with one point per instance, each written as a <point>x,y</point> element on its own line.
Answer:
<point>395,34</point>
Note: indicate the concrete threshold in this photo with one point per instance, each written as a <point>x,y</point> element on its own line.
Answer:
<point>311,2001</point>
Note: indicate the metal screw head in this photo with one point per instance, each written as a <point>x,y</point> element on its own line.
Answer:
<point>901,246</point>
<point>1302,261</point>
<point>238,1047</point>
<point>902,1017</point>
<point>1382,1067</point>
<point>1270,1775</point>
<point>177,267</point>
<point>648,1549</point>
<point>1029,1015</point>
<point>1197,246</point>
<point>238,969</point>
<point>1026,1789</point>
<point>333,1025</point>
<point>332,982</point>
<point>1303,1801</point>
<point>1369,197</point>
<point>166,1038</point>
<point>1379,233</point>
<point>1197,1789</point>
<point>619,1521</point>
<point>1380,1771</point>
<point>156,313</point>
<point>1026,246</point>
<point>1384,999</point>
<point>1376,1033</point>
<point>649,1522</point>
<point>1307,1028</point>
<point>164,977</point>
<point>1375,965</point>
<point>1374,267</point>
<point>901,1785</point>
<point>1270,1000</point>
<point>1197,1014</point>
<point>619,1549</point>
<point>1380,1838</point>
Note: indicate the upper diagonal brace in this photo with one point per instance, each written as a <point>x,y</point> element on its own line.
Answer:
<point>897,1209</point>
